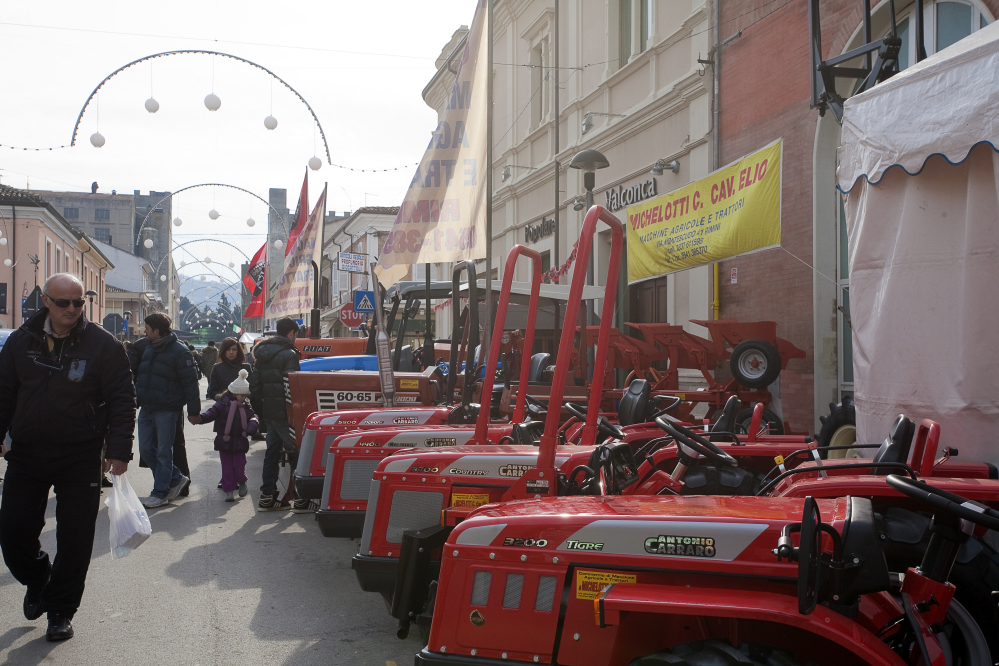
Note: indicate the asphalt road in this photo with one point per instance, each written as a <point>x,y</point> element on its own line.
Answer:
<point>217,583</point>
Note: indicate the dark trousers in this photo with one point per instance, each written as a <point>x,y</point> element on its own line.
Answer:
<point>180,448</point>
<point>279,440</point>
<point>77,483</point>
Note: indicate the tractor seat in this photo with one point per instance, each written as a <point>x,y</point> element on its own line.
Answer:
<point>726,422</point>
<point>895,448</point>
<point>538,363</point>
<point>634,403</point>
<point>407,361</point>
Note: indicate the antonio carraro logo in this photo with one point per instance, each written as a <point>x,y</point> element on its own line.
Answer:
<point>514,470</point>
<point>407,420</point>
<point>434,442</point>
<point>680,545</point>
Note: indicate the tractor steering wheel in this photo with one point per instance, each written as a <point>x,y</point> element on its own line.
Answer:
<point>945,501</point>
<point>603,424</point>
<point>537,408</point>
<point>695,442</point>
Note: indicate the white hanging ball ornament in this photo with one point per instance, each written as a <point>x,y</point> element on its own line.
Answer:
<point>212,102</point>
<point>279,243</point>
<point>270,122</point>
<point>97,139</point>
<point>183,263</point>
<point>7,262</point>
<point>173,291</point>
<point>3,241</point>
<point>232,264</point>
<point>177,221</point>
<point>209,288</point>
<point>203,278</point>
<point>250,222</point>
<point>152,106</point>
<point>163,278</point>
<point>315,163</point>
<point>214,214</point>
<point>208,260</point>
<point>148,243</point>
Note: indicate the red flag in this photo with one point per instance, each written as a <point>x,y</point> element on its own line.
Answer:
<point>256,307</point>
<point>301,215</point>
<point>254,278</point>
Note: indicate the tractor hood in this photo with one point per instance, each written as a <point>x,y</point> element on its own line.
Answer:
<point>682,528</point>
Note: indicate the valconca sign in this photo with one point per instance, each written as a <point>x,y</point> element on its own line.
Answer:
<point>533,232</point>
<point>626,196</point>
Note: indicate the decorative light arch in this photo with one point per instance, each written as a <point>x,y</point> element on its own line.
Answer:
<point>76,127</point>
<point>142,226</point>
<point>177,246</point>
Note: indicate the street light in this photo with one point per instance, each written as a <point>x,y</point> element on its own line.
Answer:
<point>589,161</point>
<point>91,293</point>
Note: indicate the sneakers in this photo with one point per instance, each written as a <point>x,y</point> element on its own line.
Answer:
<point>153,502</point>
<point>242,490</point>
<point>60,628</point>
<point>302,506</point>
<point>229,497</point>
<point>272,503</point>
<point>176,488</point>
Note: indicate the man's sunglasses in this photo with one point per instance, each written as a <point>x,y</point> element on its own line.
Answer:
<point>64,302</point>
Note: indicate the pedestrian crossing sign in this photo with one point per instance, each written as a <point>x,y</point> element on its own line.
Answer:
<point>364,301</point>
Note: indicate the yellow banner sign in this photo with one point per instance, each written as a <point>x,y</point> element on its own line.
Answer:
<point>732,211</point>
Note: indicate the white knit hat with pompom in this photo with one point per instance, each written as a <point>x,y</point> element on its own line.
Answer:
<point>239,385</point>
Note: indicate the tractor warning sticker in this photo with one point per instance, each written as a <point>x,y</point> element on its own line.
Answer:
<point>589,584</point>
<point>409,383</point>
<point>470,500</point>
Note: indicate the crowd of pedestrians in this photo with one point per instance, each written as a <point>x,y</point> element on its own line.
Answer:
<point>58,362</point>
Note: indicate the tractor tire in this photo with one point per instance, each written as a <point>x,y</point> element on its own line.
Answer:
<point>839,428</point>
<point>755,363</point>
<point>717,653</point>
<point>745,417</point>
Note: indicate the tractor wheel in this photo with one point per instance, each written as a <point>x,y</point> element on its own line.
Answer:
<point>755,363</point>
<point>839,428</point>
<point>716,653</point>
<point>744,418</point>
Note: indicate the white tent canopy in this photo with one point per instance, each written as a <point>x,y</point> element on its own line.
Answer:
<point>924,246</point>
<point>944,105</point>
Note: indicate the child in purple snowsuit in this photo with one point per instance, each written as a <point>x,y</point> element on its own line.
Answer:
<point>235,422</point>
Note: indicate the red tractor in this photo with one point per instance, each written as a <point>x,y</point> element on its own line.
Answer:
<point>642,581</point>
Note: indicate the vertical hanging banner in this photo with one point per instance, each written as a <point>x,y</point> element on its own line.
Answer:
<point>443,217</point>
<point>298,223</point>
<point>732,211</point>
<point>294,290</point>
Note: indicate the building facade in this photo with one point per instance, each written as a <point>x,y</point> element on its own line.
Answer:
<point>41,243</point>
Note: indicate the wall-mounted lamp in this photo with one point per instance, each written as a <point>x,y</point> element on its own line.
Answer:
<point>588,120</point>
<point>508,171</point>
<point>661,165</point>
<point>578,204</point>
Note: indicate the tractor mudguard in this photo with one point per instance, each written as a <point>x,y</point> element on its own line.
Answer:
<point>415,573</point>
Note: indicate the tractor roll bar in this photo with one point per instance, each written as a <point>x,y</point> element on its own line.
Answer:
<point>546,454</point>
<point>471,328</point>
<point>496,340</point>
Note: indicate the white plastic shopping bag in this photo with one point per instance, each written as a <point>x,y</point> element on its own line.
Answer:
<point>129,521</point>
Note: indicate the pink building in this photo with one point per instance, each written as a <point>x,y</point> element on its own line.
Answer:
<point>39,243</point>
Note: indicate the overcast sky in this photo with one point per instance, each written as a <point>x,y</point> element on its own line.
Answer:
<point>360,65</point>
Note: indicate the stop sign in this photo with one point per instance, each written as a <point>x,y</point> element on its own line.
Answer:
<point>351,319</point>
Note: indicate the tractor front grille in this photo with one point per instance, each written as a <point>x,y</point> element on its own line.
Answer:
<point>545,600</point>
<point>356,481</point>
<point>480,588</point>
<point>412,510</point>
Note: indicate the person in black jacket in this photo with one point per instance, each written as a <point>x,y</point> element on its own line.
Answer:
<point>167,380</point>
<point>65,394</point>
<point>276,357</point>
<point>135,351</point>
<point>225,371</point>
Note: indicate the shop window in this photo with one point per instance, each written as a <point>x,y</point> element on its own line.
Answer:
<point>546,262</point>
<point>944,24</point>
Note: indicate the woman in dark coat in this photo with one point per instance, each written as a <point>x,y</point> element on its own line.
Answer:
<point>226,369</point>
